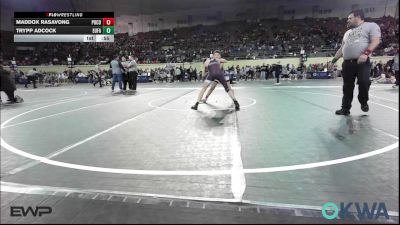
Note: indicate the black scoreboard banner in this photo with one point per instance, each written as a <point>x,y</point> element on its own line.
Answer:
<point>64,26</point>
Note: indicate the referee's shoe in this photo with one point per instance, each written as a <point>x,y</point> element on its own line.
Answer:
<point>343,112</point>
<point>365,108</point>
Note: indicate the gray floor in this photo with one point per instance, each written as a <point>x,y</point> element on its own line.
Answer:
<point>151,144</point>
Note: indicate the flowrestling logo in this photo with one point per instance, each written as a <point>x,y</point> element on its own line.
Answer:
<point>364,211</point>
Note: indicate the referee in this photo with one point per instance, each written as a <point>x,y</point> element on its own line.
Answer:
<point>358,43</point>
<point>132,73</point>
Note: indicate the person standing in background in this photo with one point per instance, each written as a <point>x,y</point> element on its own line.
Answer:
<point>125,77</point>
<point>396,68</point>
<point>132,73</point>
<point>116,69</point>
<point>278,70</point>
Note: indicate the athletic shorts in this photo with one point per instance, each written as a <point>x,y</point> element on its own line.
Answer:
<point>220,78</point>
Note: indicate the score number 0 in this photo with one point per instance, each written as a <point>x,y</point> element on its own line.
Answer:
<point>108,21</point>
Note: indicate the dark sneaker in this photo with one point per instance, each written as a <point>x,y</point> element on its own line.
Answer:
<point>195,106</point>
<point>237,107</point>
<point>18,99</point>
<point>365,108</point>
<point>342,112</point>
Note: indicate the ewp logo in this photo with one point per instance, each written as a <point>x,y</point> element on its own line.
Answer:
<point>363,213</point>
<point>38,211</point>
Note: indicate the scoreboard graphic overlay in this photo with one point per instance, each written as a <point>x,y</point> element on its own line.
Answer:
<point>64,26</point>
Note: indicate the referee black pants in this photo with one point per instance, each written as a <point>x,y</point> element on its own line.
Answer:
<point>125,80</point>
<point>132,76</point>
<point>277,75</point>
<point>350,71</point>
<point>10,95</point>
<point>29,79</point>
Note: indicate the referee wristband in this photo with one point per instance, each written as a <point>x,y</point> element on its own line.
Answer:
<point>367,52</point>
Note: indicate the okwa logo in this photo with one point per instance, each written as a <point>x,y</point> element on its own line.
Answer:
<point>364,211</point>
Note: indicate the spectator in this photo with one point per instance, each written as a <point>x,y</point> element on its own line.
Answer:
<point>117,70</point>
<point>396,69</point>
<point>31,76</point>
<point>252,40</point>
